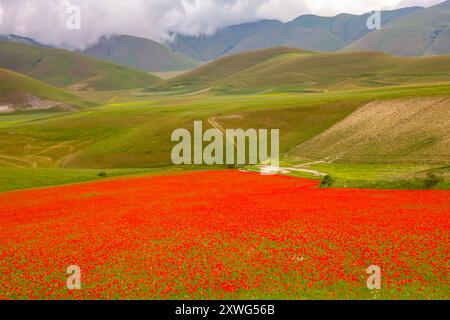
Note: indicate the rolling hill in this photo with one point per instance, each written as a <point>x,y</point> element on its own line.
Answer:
<point>139,53</point>
<point>19,93</point>
<point>424,32</point>
<point>309,32</point>
<point>137,134</point>
<point>293,69</point>
<point>62,68</point>
<point>218,72</point>
<point>400,130</point>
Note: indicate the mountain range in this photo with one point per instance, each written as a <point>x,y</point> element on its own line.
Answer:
<point>413,31</point>
<point>309,32</point>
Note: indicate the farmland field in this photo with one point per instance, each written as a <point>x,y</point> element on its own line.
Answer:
<point>222,235</point>
<point>91,177</point>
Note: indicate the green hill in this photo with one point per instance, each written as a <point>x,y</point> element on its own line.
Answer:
<point>223,70</point>
<point>19,93</point>
<point>424,32</point>
<point>292,69</point>
<point>415,130</point>
<point>62,68</point>
<point>140,53</point>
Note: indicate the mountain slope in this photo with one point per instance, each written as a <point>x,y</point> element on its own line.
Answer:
<point>211,47</point>
<point>309,32</point>
<point>21,93</point>
<point>407,130</point>
<point>425,32</point>
<point>64,68</point>
<point>139,53</point>
<point>316,33</point>
<point>287,68</point>
<point>217,72</point>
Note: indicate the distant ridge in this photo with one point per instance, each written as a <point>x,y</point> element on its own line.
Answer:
<point>20,39</point>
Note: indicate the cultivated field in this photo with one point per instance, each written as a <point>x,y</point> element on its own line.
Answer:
<point>222,235</point>
<point>364,143</point>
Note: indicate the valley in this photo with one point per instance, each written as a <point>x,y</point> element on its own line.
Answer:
<point>224,150</point>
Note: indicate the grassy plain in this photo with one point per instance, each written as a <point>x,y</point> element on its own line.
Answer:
<point>136,135</point>
<point>359,115</point>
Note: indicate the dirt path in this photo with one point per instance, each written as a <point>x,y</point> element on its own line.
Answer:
<point>27,162</point>
<point>213,122</point>
<point>299,168</point>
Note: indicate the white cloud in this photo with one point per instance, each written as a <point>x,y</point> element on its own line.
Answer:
<point>45,20</point>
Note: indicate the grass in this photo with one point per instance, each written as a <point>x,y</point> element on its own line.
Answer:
<point>26,178</point>
<point>385,176</point>
<point>62,68</point>
<point>137,135</point>
<point>132,128</point>
<point>291,69</point>
<point>395,131</point>
<point>15,86</point>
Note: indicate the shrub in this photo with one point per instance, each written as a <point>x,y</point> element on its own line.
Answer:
<point>327,182</point>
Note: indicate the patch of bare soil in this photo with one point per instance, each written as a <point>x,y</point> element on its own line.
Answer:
<point>29,102</point>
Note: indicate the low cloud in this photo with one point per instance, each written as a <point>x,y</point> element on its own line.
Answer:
<point>45,20</point>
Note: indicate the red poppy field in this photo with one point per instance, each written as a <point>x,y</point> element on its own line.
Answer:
<point>223,235</point>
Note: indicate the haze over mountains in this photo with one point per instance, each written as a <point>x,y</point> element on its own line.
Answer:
<point>412,31</point>
<point>309,32</point>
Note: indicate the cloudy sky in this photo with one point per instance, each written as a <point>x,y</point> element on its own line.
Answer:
<point>46,20</point>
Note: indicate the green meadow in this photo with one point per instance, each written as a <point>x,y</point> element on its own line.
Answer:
<point>48,149</point>
<point>361,120</point>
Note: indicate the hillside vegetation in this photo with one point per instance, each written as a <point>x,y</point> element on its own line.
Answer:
<point>293,69</point>
<point>140,53</point>
<point>20,93</point>
<point>62,68</point>
<point>137,135</point>
<point>393,131</point>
